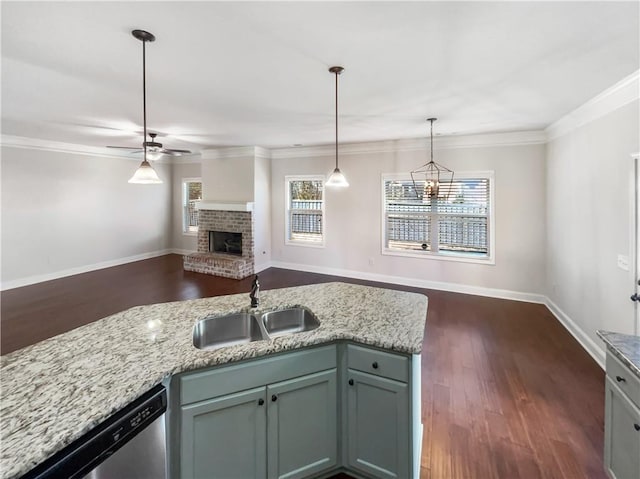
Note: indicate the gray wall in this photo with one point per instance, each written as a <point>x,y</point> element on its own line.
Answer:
<point>262,213</point>
<point>590,222</point>
<point>180,240</point>
<point>354,218</point>
<point>63,213</point>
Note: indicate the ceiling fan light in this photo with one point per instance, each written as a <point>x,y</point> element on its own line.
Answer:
<point>337,179</point>
<point>145,175</point>
<point>154,154</point>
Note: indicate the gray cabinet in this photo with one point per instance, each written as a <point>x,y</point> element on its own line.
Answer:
<point>302,421</point>
<point>284,426</point>
<point>622,421</point>
<point>378,415</point>
<point>225,437</point>
<point>302,414</point>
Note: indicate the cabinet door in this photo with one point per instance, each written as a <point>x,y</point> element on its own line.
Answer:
<point>302,424</point>
<point>377,425</point>
<point>224,437</point>
<point>622,435</point>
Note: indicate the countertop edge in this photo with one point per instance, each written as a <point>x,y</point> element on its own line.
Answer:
<point>625,347</point>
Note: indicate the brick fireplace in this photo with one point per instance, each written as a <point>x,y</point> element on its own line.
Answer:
<point>223,218</point>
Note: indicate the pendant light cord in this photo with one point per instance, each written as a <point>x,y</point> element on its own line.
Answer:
<point>144,98</point>
<point>336,120</point>
<point>431,121</point>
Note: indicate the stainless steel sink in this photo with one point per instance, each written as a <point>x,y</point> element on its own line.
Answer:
<point>231,329</point>
<point>287,321</point>
<point>241,328</point>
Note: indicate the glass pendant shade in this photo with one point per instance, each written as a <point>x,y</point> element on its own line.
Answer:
<point>145,175</point>
<point>337,179</point>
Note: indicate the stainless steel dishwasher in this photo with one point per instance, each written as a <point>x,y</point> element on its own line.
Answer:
<point>130,444</point>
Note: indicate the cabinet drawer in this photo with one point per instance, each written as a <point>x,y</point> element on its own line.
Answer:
<point>223,380</point>
<point>372,361</point>
<point>622,377</point>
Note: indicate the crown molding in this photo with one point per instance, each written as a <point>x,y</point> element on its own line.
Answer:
<point>235,152</point>
<point>614,97</point>
<point>516,138</point>
<point>11,141</point>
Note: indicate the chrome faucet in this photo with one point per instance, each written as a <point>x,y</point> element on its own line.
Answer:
<point>255,291</point>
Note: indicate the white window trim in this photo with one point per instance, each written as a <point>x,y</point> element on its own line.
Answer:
<point>459,258</point>
<point>183,200</point>
<point>308,244</point>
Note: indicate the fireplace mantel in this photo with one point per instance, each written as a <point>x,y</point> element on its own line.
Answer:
<point>225,205</point>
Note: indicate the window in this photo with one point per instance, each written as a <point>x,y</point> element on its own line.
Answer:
<point>191,193</point>
<point>305,210</point>
<point>457,226</point>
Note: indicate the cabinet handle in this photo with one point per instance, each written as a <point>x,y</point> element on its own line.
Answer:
<point>260,402</point>
<point>350,382</point>
<point>375,365</point>
<point>620,379</point>
<point>274,398</point>
<point>637,427</point>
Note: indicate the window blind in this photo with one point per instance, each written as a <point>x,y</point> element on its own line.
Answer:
<point>460,214</point>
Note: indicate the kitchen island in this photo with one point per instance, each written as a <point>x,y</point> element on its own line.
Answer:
<point>56,390</point>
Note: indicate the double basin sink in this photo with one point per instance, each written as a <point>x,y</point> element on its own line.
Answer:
<point>241,328</point>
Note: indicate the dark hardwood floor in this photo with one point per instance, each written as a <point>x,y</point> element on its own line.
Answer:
<point>506,390</point>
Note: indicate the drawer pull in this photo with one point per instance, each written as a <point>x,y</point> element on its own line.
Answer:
<point>637,427</point>
<point>375,365</point>
<point>350,382</point>
<point>620,379</point>
<point>274,398</point>
<point>260,402</point>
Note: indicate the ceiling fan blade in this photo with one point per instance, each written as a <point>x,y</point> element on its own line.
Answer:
<point>170,151</point>
<point>125,147</point>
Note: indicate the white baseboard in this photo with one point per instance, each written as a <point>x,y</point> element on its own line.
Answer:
<point>417,283</point>
<point>577,332</point>
<point>262,266</point>
<point>17,283</point>
<point>181,251</point>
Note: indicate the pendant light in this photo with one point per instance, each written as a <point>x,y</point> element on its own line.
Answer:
<point>145,174</point>
<point>434,175</point>
<point>336,178</point>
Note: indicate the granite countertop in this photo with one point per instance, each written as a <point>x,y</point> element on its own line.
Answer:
<point>625,347</point>
<point>60,388</point>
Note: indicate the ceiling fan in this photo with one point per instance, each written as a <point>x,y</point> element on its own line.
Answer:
<point>153,147</point>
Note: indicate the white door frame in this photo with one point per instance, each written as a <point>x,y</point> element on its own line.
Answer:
<point>635,210</point>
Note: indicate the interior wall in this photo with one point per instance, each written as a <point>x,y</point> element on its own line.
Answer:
<point>228,179</point>
<point>590,222</point>
<point>354,217</point>
<point>262,213</point>
<point>63,211</point>
<point>179,239</point>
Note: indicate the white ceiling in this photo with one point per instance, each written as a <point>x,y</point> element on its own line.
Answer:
<point>255,73</point>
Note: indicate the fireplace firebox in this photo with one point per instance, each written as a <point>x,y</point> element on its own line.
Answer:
<point>225,242</point>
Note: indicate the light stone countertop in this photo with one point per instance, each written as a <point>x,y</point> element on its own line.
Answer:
<point>58,389</point>
<point>625,347</point>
